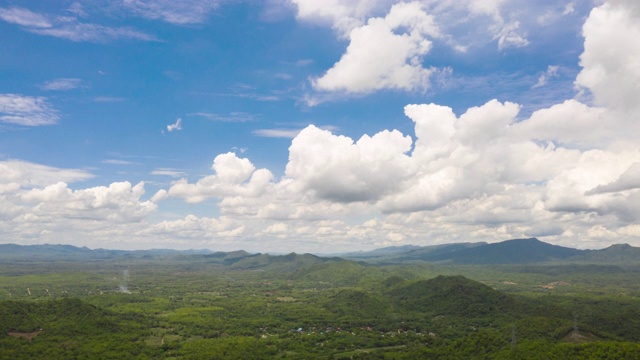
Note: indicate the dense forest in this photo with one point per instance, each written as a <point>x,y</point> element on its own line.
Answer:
<point>171,305</point>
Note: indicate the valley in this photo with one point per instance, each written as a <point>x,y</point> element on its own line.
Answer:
<point>387,304</point>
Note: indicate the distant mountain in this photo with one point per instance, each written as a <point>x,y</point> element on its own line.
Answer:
<point>49,252</point>
<point>517,251</point>
<point>386,251</point>
<point>436,252</point>
<point>614,254</point>
<point>396,254</point>
<point>279,263</point>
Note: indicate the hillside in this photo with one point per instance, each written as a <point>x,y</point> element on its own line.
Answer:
<point>278,263</point>
<point>451,295</point>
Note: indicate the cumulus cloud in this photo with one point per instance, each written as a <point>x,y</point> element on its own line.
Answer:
<point>341,15</point>
<point>628,180</point>
<point>118,202</point>
<point>234,176</point>
<point>27,110</point>
<point>484,173</point>
<point>198,228</point>
<point>98,217</point>
<point>386,53</point>
<point>336,168</point>
<point>36,202</point>
<point>389,42</point>
<point>611,51</point>
<point>568,173</point>
<point>571,124</point>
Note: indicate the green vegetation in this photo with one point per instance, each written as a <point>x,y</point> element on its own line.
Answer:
<point>243,306</point>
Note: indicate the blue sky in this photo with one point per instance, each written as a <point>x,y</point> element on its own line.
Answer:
<point>297,125</point>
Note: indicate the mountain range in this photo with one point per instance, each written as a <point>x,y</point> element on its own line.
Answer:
<point>515,251</point>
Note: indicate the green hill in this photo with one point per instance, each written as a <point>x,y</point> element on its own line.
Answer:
<point>452,295</point>
<point>278,263</point>
<point>357,305</point>
<point>57,317</point>
<point>338,272</point>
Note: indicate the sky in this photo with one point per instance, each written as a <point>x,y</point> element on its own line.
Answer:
<point>319,126</point>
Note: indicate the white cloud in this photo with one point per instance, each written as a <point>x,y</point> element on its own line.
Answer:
<point>506,32</point>
<point>69,28</point>
<point>233,177</point>
<point>119,202</point>
<point>198,228</point>
<point>389,41</point>
<point>80,32</point>
<point>24,17</point>
<point>569,9</point>
<point>175,12</point>
<point>108,99</point>
<point>29,174</point>
<point>552,71</point>
<point>119,162</point>
<point>168,172</point>
<point>508,36</point>
<point>609,62</point>
<point>571,124</point>
<point>36,204</point>
<point>386,53</point>
<point>62,84</point>
<point>335,168</point>
<point>177,126</point>
<point>77,9</point>
<point>277,133</point>
<point>628,180</point>
<point>482,174</point>
<point>26,110</point>
<point>567,173</point>
<point>235,117</point>
<point>343,16</point>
